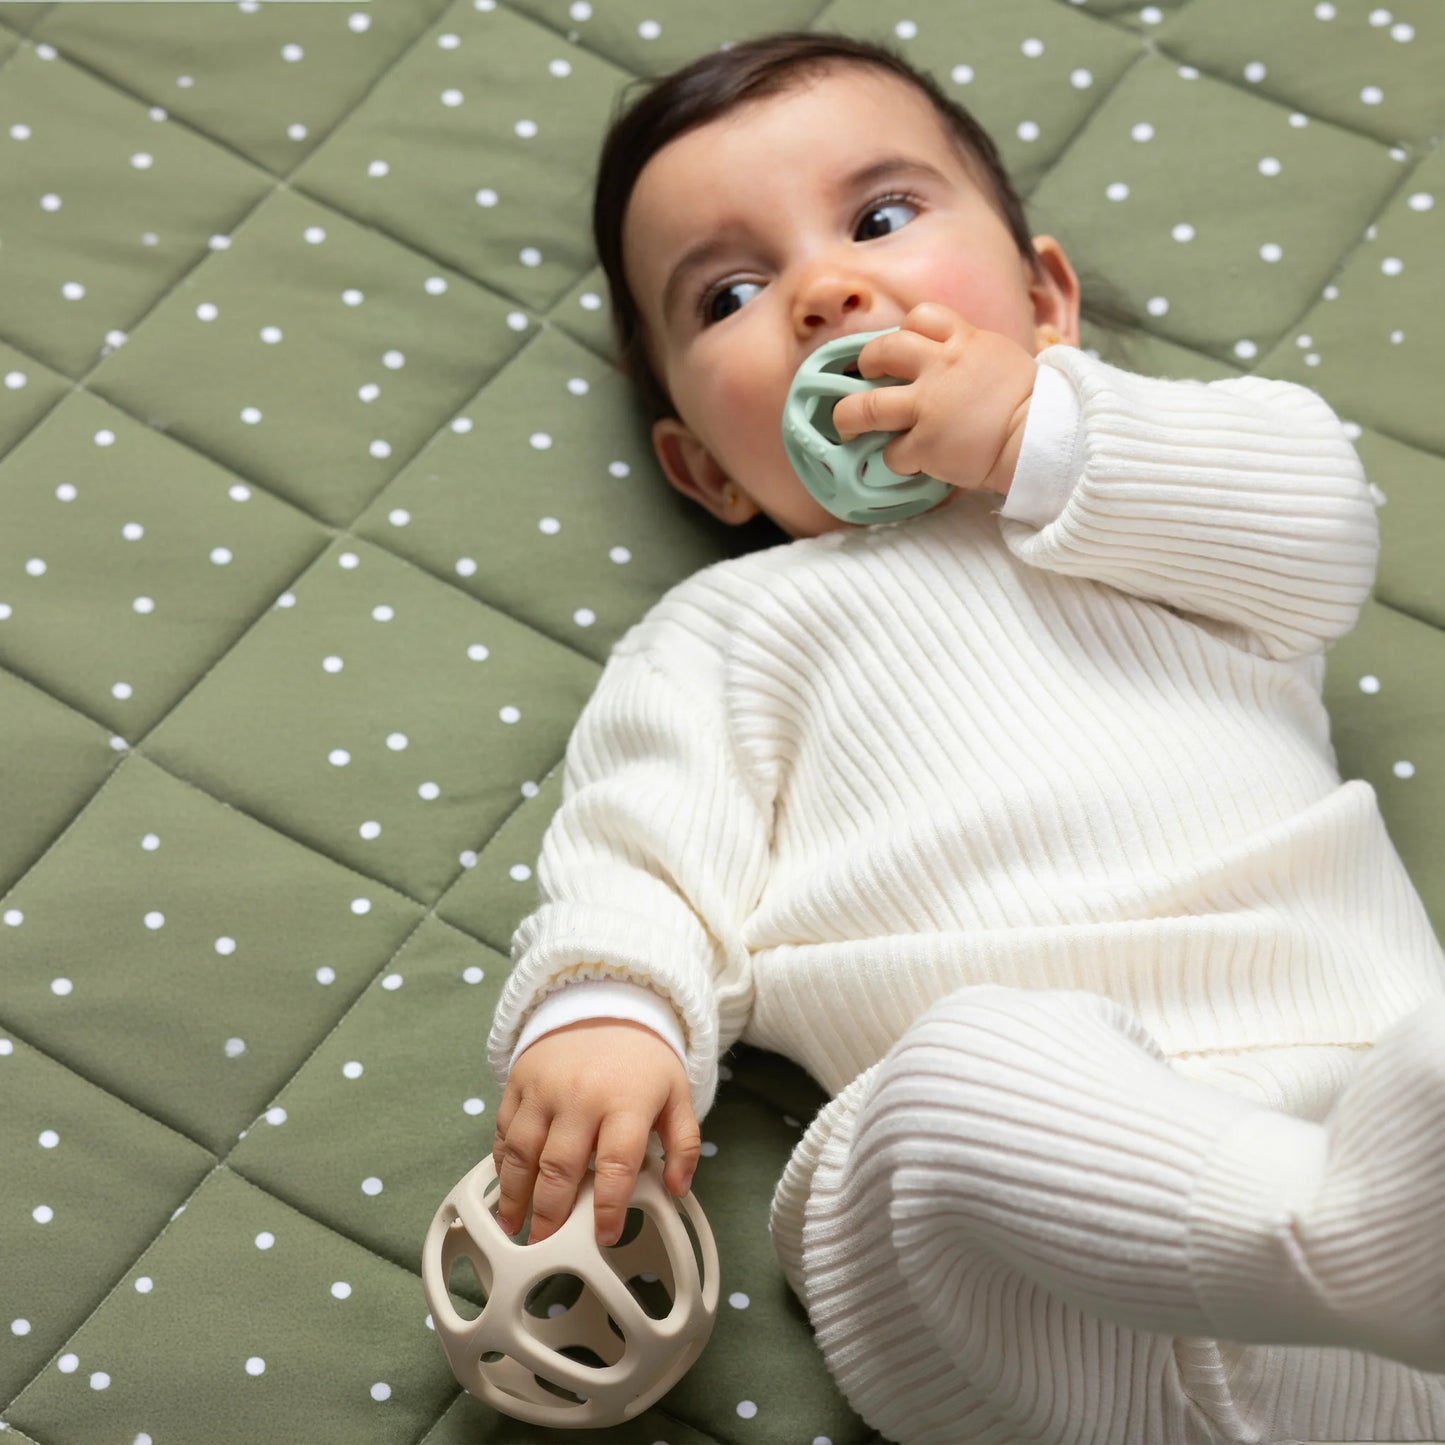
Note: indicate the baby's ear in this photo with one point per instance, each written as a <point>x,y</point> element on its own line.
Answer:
<point>695,472</point>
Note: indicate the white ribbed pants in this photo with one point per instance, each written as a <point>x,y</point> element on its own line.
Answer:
<point>1025,1225</point>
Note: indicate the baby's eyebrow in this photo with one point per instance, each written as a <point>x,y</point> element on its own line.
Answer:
<point>711,246</point>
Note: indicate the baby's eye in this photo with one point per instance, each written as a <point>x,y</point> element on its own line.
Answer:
<point>888,203</point>
<point>707,306</point>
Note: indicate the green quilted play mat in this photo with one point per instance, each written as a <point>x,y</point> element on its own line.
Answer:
<point>321,506</point>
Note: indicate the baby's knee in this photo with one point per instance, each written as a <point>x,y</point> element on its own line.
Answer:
<point>1067,1023</point>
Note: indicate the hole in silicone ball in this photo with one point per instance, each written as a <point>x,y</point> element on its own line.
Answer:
<point>465,1286</point>
<point>557,1289</point>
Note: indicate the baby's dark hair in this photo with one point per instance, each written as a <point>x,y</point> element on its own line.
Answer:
<point>711,87</point>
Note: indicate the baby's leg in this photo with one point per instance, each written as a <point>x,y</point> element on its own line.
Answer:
<point>1046,1133</point>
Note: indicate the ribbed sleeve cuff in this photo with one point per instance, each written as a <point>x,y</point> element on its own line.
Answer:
<point>562,943</point>
<point>1244,1258</point>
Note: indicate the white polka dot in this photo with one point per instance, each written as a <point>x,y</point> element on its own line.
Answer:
<point>1081,79</point>
<point>352,297</point>
<point>1269,166</point>
<point>1324,12</point>
<point>155,920</point>
<point>452,97</point>
<point>270,335</point>
<point>141,161</point>
<point>526,129</point>
<point>370,831</point>
<point>486,197</point>
<point>67,1364</point>
<point>73,291</point>
<point>1143,131</point>
<point>392,982</point>
<point>747,1409</point>
<point>1117,191</point>
<point>50,202</point>
<point>105,438</point>
<point>381,1391</point>
<point>145,1284</point>
<point>275,1116</point>
<point>292,53</point>
<point>371,1186</point>
<point>479,652</point>
<point>43,1214</point>
<point>1183,232</point>
<point>1246,350</point>
<point>49,1138</point>
<point>332,664</point>
<point>530,256</point>
<point>382,613</point>
<point>99,1380</point>
<point>1392,265</point>
<point>1254,72</point>
<point>314,234</point>
<point>338,757</point>
<point>708,1149</point>
<point>235,1048</point>
<point>1402,32</point>
<point>1158,306</point>
<point>559,68</point>
<point>738,1300</point>
<point>474,1107</point>
<point>540,440</point>
<point>1033,47</point>
<point>250,415</point>
<point>962,74</point>
<point>1420,201</point>
<point>61,986</point>
<point>265,1239</point>
<point>550,526</point>
<point>649,29</point>
<point>351,1070</point>
<point>225,946</point>
<point>510,715</point>
<point>393,360</point>
<point>341,1290</point>
<point>1372,95</point>
<point>1369,683</point>
<point>255,1365</point>
<point>620,555</point>
<point>1404,769</point>
<point>1028,130</point>
<point>1270,251</point>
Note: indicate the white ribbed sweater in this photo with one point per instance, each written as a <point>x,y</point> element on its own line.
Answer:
<point>820,786</point>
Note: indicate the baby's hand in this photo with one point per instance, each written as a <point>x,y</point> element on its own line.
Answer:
<point>961,415</point>
<point>597,1084</point>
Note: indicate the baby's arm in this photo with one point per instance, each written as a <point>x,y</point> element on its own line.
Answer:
<point>1239,502</point>
<point>647,875</point>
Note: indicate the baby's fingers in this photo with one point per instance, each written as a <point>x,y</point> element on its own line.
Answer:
<point>515,1156</point>
<point>621,1148</point>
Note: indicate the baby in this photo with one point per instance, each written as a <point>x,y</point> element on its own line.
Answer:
<point>1016,823</point>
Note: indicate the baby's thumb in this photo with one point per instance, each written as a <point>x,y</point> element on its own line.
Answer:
<point>681,1143</point>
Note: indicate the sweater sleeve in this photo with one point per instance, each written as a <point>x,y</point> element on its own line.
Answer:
<point>650,867</point>
<point>1240,504</point>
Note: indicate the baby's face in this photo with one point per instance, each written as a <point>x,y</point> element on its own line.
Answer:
<point>808,250</point>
